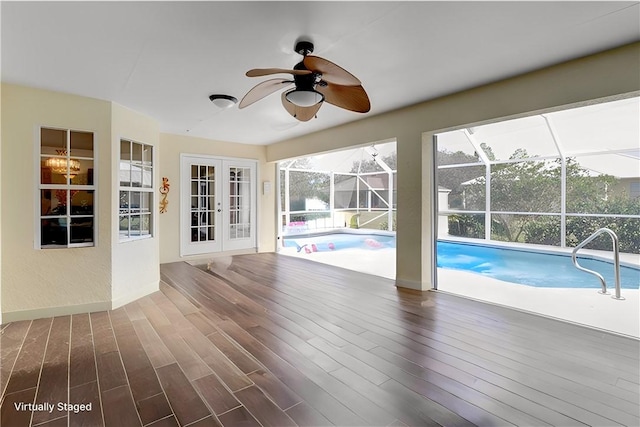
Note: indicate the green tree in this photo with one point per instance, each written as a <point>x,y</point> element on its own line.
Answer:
<point>523,186</point>
<point>370,165</point>
<point>460,179</point>
<point>307,185</point>
<point>590,194</point>
<point>535,186</point>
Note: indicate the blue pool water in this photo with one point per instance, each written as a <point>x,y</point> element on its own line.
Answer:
<point>524,267</point>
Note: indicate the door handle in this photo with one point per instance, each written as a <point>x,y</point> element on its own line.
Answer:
<point>219,210</point>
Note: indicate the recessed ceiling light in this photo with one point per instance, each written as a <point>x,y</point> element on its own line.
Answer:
<point>223,101</point>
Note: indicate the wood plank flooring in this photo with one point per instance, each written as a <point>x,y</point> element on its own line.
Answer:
<point>269,340</point>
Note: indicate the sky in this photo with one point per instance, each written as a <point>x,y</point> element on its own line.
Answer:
<point>591,134</point>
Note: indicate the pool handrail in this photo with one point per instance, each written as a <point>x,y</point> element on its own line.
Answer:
<point>616,260</point>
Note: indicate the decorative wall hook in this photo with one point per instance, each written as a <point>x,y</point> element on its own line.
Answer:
<point>164,190</point>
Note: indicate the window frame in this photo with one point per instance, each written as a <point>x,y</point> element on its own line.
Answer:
<point>68,187</point>
<point>131,188</point>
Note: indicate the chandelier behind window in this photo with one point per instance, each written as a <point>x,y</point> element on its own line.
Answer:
<point>59,165</point>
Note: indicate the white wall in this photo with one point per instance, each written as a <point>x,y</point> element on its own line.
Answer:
<point>607,74</point>
<point>135,264</point>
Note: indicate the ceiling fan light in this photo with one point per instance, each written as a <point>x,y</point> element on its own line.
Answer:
<point>304,98</point>
<point>223,101</point>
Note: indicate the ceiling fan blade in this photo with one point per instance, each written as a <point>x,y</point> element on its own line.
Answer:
<point>263,89</point>
<point>258,72</point>
<point>331,72</point>
<point>353,98</point>
<point>304,114</point>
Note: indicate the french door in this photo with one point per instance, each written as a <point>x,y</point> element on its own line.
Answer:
<point>218,204</point>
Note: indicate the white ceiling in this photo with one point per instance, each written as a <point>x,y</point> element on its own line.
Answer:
<point>164,59</point>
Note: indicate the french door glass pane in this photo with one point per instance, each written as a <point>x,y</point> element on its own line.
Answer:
<point>239,206</point>
<point>202,203</point>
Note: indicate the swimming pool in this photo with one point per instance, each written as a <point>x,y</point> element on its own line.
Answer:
<point>533,268</point>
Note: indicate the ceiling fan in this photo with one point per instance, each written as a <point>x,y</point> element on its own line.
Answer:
<point>315,81</point>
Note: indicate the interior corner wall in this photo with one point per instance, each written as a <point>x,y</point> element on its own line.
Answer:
<point>136,263</point>
<point>605,75</point>
<point>171,146</point>
<point>43,283</point>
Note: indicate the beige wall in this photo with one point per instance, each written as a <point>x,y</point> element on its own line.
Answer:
<point>135,264</point>
<point>171,146</point>
<point>608,74</point>
<point>83,279</point>
<point>0,208</point>
<point>39,282</point>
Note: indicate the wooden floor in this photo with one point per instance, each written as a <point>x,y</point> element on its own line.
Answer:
<point>277,341</point>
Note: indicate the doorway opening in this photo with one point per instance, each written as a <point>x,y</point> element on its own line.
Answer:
<point>218,204</point>
<point>340,208</point>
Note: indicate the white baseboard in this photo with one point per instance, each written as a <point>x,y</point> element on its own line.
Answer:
<point>39,313</point>
<point>137,293</point>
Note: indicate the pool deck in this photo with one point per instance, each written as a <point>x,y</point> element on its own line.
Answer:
<point>582,306</point>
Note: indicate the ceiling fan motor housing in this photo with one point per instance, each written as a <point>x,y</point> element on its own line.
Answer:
<point>305,81</point>
<point>304,47</point>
